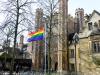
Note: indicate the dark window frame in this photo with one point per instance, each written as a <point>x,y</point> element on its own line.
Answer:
<point>72,53</point>
<point>72,67</point>
<point>96,47</point>
<point>90,26</point>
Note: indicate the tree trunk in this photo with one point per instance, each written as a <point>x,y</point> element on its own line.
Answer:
<point>15,37</point>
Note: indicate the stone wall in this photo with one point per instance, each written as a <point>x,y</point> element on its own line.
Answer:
<point>87,66</point>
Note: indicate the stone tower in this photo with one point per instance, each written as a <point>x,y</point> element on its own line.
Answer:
<point>21,42</point>
<point>38,18</point>
<point>39,45</point>
<point>62,38</point>
<point>79,14</point>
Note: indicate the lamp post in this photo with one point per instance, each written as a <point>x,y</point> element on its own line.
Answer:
<point>75,39</point>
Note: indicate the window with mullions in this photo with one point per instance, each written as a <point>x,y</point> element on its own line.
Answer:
<point>72,55</point>
<point>96,47</point>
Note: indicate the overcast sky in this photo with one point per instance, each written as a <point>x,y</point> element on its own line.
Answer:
<point>87,5</point>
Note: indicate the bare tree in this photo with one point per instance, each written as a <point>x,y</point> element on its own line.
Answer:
<point>19,15</point>
<point>50,8</point>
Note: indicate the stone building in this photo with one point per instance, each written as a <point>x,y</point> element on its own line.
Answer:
<point>62,39</point>
<point>63,56</point>
<point>38,46</point>
<point>79,15</point>
<point>54,43</point>
<point>84,58</point>
<point>21,42</point>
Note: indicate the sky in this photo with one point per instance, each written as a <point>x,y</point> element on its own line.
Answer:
<point>87,5</point>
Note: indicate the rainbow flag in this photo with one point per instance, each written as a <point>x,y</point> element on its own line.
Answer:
<point>35,36</point>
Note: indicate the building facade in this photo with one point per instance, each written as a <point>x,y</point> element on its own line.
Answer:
<point>62,39</point>
<point>38,46</point>
<point>84,55</point>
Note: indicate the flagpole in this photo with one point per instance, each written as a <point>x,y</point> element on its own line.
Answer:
<point>45,49</point>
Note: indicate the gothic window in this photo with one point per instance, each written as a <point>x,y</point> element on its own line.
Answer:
<point>90,26</point>
<point>72,55</point>
<point>96,47</point>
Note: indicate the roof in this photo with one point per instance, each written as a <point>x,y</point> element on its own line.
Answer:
<point>94,11</point>
<point>89,33</point>
<point>85,34</point>
<point>95,32</point>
